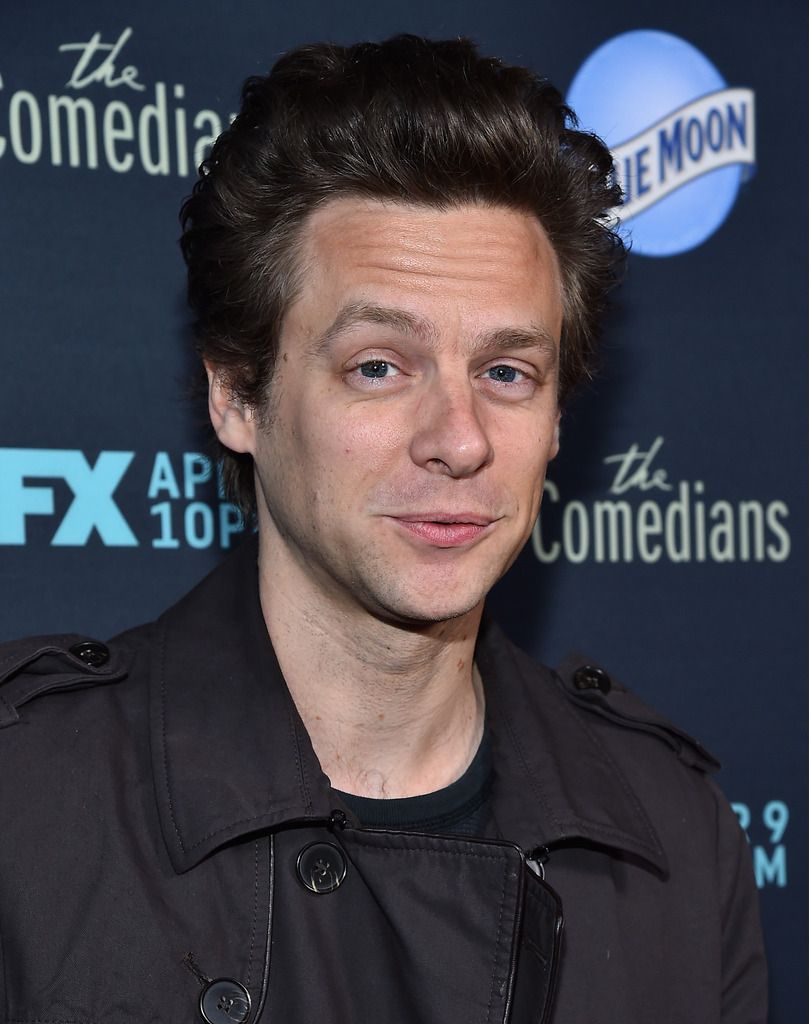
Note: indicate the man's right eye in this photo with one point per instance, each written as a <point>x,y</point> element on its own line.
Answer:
<point>376,369</point>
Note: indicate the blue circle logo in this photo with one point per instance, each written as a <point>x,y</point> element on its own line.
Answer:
<point>682,140</point>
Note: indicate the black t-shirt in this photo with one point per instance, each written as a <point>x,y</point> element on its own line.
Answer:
<point>462,808</point>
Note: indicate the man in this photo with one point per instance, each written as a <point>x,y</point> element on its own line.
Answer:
<point>323,787</point>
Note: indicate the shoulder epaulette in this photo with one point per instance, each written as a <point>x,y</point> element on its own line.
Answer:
<point>590,687</point>
<point>42,664</point>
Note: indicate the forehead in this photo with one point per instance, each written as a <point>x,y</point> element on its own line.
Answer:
<point>473,263</point>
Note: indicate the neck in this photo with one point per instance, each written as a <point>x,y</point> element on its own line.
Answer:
<point>392,710</point>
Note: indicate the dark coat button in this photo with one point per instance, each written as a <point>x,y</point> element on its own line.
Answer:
<point>321,867</point>
<point>591,677</point>
<point>224,1001</point>
<point>91,652</point>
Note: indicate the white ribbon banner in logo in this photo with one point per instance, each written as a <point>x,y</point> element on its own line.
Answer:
<point>714,131</point>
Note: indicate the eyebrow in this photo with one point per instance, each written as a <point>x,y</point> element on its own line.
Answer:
<point>534,335</point>
<point>356,313</point>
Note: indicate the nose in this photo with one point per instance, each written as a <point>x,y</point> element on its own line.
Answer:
<point>449,435</point>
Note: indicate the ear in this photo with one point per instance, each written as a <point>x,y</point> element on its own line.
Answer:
<point>233,421</point>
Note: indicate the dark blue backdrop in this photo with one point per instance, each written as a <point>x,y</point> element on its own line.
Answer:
<point>673,541</point>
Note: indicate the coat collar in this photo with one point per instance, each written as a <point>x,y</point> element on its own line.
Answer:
<point>231,755</point>
<point>555,782</point>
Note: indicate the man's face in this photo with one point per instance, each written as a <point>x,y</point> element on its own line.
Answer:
<point>414,407</point>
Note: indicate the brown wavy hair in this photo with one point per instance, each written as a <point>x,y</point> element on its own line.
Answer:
<point>407,119</point>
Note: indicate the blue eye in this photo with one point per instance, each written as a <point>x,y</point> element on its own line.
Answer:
<point>374,368</point>
<point>503,374</point>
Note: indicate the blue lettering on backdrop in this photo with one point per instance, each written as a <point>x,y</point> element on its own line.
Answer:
<point>769,865</point>
<point>188,516</point>
<point>92,507</point>
<point>722,129</point>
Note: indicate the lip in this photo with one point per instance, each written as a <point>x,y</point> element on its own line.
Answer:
<point>445,529</point>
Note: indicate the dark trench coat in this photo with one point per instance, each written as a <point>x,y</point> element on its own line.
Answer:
<point>171,851</point>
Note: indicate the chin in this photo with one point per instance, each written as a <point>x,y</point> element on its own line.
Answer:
<point>423,621</point>
<point>416,610</point>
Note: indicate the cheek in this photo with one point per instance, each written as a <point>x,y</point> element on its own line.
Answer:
<point>365,443</point>
<point>525,442</point>
<point>524,467</point>
<point>336,459</point>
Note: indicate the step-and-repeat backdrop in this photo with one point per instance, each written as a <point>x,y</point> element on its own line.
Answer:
<point>672,542</point>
